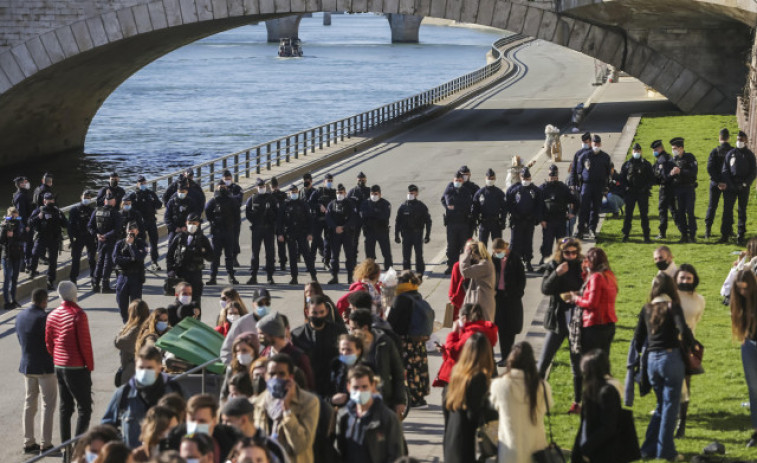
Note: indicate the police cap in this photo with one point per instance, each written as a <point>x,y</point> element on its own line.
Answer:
<point>742,134</point>
<point>307,176</point>
<point>47,175</point>
<point>677,141</point>
<point>194,217</point>
<point>656,144</point>
<point>553,170</point>
<point>130,196</point>
<point>340,187</point>
<point>20,179</point>
<point>114,174</point>
<point>412,188</point>
<point>133,225</point>
<point>490,173</point>
<point>189,173</point>
<point>292,187</point>
<point>227,173</point>
<point>260,292</point>
<point>260,182</point>
<point>725,134</point>
<point>525,172</point>
<point>459,174</point>
<point>141,179</point>
<point>597,139</point>
<point>361,175</point>
<point>464,169</point>
<point>586,136</point>
<point>183,185</point>
<point>88,193</point>
<point>329,177</point>
<point>274,181</point>
<point>47,195</point>
<point>375,189</point>
<point>637,147</point>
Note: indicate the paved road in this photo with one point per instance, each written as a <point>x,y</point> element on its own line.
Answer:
<point>483,133</point>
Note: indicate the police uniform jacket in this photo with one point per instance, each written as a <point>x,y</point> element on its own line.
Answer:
<point>615,185</point>
<point>188,252</point>
<point>594,168</point>
<point>294,218</point>
<point>130,258</point>
<point>489,205</point>
<point>471,187</point>
<point>39,195</point>
<point>176,213</point>
<point>237,194</point>
<point>376,215</point>
<point>222,213</point>
<point>359,193</point>
<point>462,201</point>
<point>715,163</point>
<point>321,197</point>
<point>130,216</point>
<point>22,201</point>
<point>687,163</point>
<point>117,191</point>
<point>147,203</point>
<point>48,222</point>
<point>12,247</point>
<point>106,220</point>
<point>412,216</point>
<point>574,179</point>
<point>739,168</point>
<point>342,214</point>
<point>524,203</point>
<point>662,167</point>
<point>557,197</point>
<point>637,176</point>
<point>261,210</point>
<point>78,221</point>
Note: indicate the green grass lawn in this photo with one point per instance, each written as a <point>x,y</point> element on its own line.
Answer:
<point>715,412</point>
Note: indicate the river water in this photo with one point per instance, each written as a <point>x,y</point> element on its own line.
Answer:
<point>231,91</point>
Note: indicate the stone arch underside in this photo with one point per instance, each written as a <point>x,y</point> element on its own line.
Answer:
<point>52,85</point>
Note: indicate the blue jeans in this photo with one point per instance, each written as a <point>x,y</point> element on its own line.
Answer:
<point>11,268</point>
<point>611,204</point>
<point>749,360</point>
<point>666,373</point>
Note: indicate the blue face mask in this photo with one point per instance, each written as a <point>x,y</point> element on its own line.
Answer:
<point>329,184</point>
<point>127,207</point>
<point>499,255</point>
<point>146,377</point>
<point>348,360</point>
<point>656,154</point>
<point>457,184</point>
<point>262,310</point>
<point>161,326</point>
<point>143,186</point>
<point>277,387</point>
<point>199,428</point>
<point>361,397</point>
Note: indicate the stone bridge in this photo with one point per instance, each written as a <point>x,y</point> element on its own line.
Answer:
<point>60,59</point>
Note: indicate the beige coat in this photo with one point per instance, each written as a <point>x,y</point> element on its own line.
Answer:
<point>481,289</point>
<point>518,436</point>
<point>296,430</point>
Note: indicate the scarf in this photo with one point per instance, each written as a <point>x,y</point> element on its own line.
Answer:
<point>405,287</point>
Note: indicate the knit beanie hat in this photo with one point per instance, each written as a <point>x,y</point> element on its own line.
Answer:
<point>272,325</point>
<point>67,291</point>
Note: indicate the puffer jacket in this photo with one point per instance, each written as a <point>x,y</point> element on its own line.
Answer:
<point>454,345</point>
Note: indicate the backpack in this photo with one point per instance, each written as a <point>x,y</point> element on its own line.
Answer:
<point>422,318</point>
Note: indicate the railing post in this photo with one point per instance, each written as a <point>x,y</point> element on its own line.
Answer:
<point>247,164</point>
<point>278,152</point>
<point>312,141</point>
<point>268,157</point>
<point>236,168</point>
<point>342,122</point>
<point>287,152</point>
<point>320,137</point>
<point>198,175</point>
<point>155,187</point>
<point>212,176</point>
<point>257,160</point>
<point>202,384</point>
<point>328,134</point>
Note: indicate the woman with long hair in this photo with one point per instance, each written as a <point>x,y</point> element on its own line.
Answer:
<point>126,339</point>
<point>597,433</point>
<point>114,452</point>
<point>91,443</point>
<point>519,398</point>
<point>744,328</point>
<point>350,354</point>
<point>662,326</point>
<point>466,399</point>
<point>597,299</point>
<point>476,264</point>
<point>153,328</point>
<point>230,313</point>
<point>244,351</point>
<point>562,275</point>
<point>156,423</point>
<point>510,277</point>
<point>366,278</point>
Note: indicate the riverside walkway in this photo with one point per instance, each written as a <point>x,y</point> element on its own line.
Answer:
<point>484,132</point>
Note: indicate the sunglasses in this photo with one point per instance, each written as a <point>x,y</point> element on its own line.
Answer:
<point>570,253</point>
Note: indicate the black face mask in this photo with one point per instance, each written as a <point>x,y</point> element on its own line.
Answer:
<point>686,286</point>
<point>317,322</point>
<point>258,385</point>
<point>662,265</point>
<point>307,183</point>
<point>361,182</point>
<point>114,183</point>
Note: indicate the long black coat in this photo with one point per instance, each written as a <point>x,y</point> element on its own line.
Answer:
<point>509,304</point>
<point>553,285</point>
<point>597,436</point>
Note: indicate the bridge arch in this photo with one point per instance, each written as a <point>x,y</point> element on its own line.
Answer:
<point>52,85</point>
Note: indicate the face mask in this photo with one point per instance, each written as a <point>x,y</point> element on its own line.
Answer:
<point>375,198</point>
<point>184,299</point>
<point>86,202</point>
<point>348,360</point>
<point>329,184</point>
<point>192,460</point>
<point>245,359</point>
<point>662,265</point>
<point>223,303</point>
<point>466,177</point>
<point>526,182</point>
<point>686,287</point>
<point>457,184</point>
<point>277,387</point>
<point>161,326</point>
<point>636,155</point>
<point>596,149</point>
<point>146,377</point>
<point>127,207</point>
<point>114,183</point>
<point>181,195</point>
<point>143,186</point>
<point>740,144</point>
<point>227,182</point>
<point>675,152</point>
<point>490,182</point>
<point>499,255</point>
<point>308,299</point>
<point>198,428</point>
<point>232,318</point>
<point>192,228</point>
<point>317,322</point>
<point>307,183</point>
<point>26,186</point>
<point>656,154</point>
<point>339,197</point>
<point>361,397</point>
<point>262,310</point>
<point>361,182</point>
<point>293,196</point>
<point>258,385</point>
<point>89,457</point>
<point>584,145</point>
<point>410,196</point>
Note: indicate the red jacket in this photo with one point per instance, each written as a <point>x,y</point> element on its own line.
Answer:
<point>456,289</point>
<point>343,304</point>
<point>598,299</point>
<point>223,329</point>
<point>454,345</point>
<point>67,337</point>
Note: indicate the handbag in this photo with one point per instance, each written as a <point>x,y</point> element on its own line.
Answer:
<point>692,357</point>
<point>449,313</point>
<point>627,449</point>
<point>552,453</point>
<point>487,432</point>
<point>574,329</point>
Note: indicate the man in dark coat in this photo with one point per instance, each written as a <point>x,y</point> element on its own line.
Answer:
<point>23,201</point>
<point>637,178</point>
<point>715,170</point>
<point>510,284</point>
<point>739,171</point>
<point>457,202</point>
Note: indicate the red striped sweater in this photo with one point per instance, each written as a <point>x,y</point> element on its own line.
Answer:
<point>67,337</point>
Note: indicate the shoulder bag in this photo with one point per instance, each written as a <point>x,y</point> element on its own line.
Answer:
<point>552,453</point>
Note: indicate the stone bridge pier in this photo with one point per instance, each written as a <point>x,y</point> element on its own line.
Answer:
<point>288,26</point>
<point>404,27</point>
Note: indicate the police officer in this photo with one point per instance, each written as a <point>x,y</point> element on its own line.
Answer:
<point>148,203</point>
<point>307,187</point>
<point>457,202</point>
<point>12,239</point>
<point>468,185</point>
<point>261,211</point>
<point>666,201</point>
<point>222,214</point>
<point>594,169</point>
<point>237,194</point>
<point>294,224</point>
<point>177,211</point>
<point>574,179</point>
<point>280,197</point>
<point>358,194</point>
<point>557,201</point>
<point>489,209</point>
<point>319,200</point>
<point>194,191</point>
<point>739,171</point>
<point>80,237</point>
<point>186,255</point>
<point>525,204</point>
<point>47,223</point>
<point>113,187</point>
<point>375,214</point>
<point>637,178</point>
<point>129,256</point>
<point>412,217</point>
<point>45,187</point>
<point>105,225</point>
<point>684,180</point>
<point>717,185</point>
<point>24,204</point>
<point>130,214</point>
<point>342,220</point>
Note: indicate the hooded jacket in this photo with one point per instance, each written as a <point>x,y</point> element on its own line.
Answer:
<point>454,345</point>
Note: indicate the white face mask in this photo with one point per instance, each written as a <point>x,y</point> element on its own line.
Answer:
<point>181,195</point>
<point>26,186</point>
<point>584,145</point>
<point>457,184</point>
<point>466,177</point>
<point>232,318</point>
<point>636,155</point>
<point>675,152</point>
<point>185,299</point>
<point>294,196</point>
<point>192,228</point>
<point>490,182</point>
<point>339,197</point>
<point>740,144</point>
<point>596,149</point>
<point>410,196</point>
<point>89,457</point>
<point>227,182</point>
<point>223,304</point>
<point>85,202</point>
<point>375,198</point>
<point>244,359</point>
<point>526,182</point>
